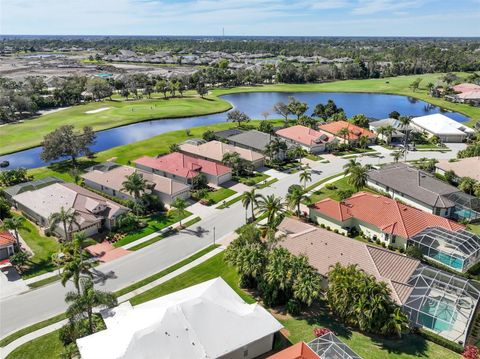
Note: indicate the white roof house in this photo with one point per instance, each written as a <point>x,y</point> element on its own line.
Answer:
<point>208,320</point>
<point>444,127</point>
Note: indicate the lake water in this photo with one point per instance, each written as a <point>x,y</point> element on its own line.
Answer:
<point>372,105</point>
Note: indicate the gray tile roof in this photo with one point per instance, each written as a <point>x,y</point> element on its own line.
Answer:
<point>227,133</point>
<point>253,139</point>
<point>31,185</point>
<point>414,183</point>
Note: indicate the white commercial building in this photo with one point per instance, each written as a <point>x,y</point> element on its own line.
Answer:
<point>444,127</point>
<point>208,320</point>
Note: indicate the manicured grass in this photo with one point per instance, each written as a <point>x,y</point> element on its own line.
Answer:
<point>341,184</point>
<point>42,247</point>
<point>268,183</point>
<point>191,222</point>
<point>41,283</point>
<point>232,201</point>
<point>20,333</point>
<point>220,194</point>
<point>45,347</point>
<point>154,223</point>
<point>475,228</point>
<point>313,157</point>
<point>391,85</point>
<point>252,180</point>
<point>316,184</point>
<point>354,151</point>
<point>18,136</point>
<point>411,346</point>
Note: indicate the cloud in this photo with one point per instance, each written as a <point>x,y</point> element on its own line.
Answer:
<point>367,7</point>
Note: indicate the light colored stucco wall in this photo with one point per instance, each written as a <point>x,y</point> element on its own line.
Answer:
<point>252,350</point>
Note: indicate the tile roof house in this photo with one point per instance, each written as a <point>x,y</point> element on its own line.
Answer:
<point>225,134</point>
<point>184,168</point>
<point>444,127</point>
<point>94,213</point>
<point>355,132</point>
<point>109,179</point>
<point>7,242</point>
<point>463,167</point>
<point>29,186</point>
<point>422,190</point>
<point>254,140</point>
<point>415,287</point>
<point>215,150</point>
<point>208,320</point>
<point>466,87</point>
<point>311,140</point>
<point>399,133</point>
<point>378,217</point>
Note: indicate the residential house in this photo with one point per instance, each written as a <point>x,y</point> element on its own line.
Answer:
<point>93,212</point>
<point>208,320</point>
<point>354,131</point>
<point>443,127</point>
<point>256,141</point>
<point>422,190</point>
<point>463,167</point>
<point>415,287</point>
<point>29,186</point>
<point>184,168</point>
<point>7,243</point>
<point>215,150</point>
<point>311,140</point>
<point>109,178</point>
<point>225,134</point>
<point>399,130</point>
<point>465,87</point>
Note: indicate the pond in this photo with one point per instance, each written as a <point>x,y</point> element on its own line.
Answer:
<point>254,104</point>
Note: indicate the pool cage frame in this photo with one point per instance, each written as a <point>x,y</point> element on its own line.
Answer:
<point>430,239</point>
<point>464,201</point>
<point>328,346</point>
<point>454,289</point>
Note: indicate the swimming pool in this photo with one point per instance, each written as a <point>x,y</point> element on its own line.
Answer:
<point>450,261</point>
<point>441,315</point>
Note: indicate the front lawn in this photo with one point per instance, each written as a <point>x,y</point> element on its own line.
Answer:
<point>218,195</point>
<point>45,347</point>
<point>253,179</point>
<point>42,247</point>
<point>342,184</point>
<point>475,228</point>
<point>155,223</point>
<point>301,329</point>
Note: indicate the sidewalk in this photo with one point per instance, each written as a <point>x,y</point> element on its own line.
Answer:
<point>4,351</point>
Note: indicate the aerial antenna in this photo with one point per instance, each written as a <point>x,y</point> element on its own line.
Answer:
<point>223,32</point>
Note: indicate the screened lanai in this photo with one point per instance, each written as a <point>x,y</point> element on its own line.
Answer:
<point>467,207</point>
<point>328,346</point>
<point>458,250</point>
<point>442,302</point>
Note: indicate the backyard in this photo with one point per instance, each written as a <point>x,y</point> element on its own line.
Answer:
<point>333,190</point>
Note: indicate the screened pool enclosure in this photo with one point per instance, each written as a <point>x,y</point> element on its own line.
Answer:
<point>457,250</point>
<point>328,346</point>
<point>442,302</point>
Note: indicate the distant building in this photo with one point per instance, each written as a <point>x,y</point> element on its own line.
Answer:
<point>463,167</point>
<point>398,134</point>
<point>7,243</point>
<point>208,320</point>
<point>354,131</point>
<point>446,129</point>
<point>256,141</point>
<point>311,140</point>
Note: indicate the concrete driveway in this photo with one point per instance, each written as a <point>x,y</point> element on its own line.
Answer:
<point>11,283</point>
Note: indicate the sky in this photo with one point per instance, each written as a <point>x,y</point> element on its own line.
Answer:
<point>242,17</point>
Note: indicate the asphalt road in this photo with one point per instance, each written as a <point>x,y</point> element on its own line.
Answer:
<point>28,308</point>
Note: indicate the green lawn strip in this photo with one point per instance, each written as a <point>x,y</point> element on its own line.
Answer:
<point>316,184</point>
<point>166,271</point>
<point>220,194</point>
<point>45,347</point>
<point>18,136</point>
<point>475,228</point>
<point>41,283</point>
<point>42,247</point>
<point>301,329</point>
<point>313,157</point>
<point>232,201</point>
<point>191,222</point>
<point>252,180</point>
<point>392,85</point>
<point>155,223</point>
<point>341,184</point>
<point>20,333</point>
<point>268,183</point>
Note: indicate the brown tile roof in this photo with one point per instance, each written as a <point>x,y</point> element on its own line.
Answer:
<point>355,131</point>
<point>385,213</point>
<point>305,135</point>
<point>297,351</point>
<point>6,239</point>
<point>324,249</point>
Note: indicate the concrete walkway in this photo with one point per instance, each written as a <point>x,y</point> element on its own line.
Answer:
<point>4,351</point>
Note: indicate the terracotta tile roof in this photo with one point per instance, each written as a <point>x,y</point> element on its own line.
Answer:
<point>305,135</point>
<point>465,87</point>
<point>297,351</point>
<point>324,249</point>
<point>214,150</point>
<point>183,165</point>
<point>385,213</point>
<point>6,239</point>
<point>355,131</point>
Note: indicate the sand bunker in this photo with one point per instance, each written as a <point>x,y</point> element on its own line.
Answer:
<point>99,110</point>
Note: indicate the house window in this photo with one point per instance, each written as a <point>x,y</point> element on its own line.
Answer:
<point>245,353</point>
<point>394,237</point>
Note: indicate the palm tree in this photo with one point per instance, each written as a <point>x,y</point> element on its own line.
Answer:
<point>358,177</point>
<point>14,224</point>
<point>135,185</point>
<point>363,141</point>
<point>81,304</point>
<point>74,265</point>
<point>396,156</point>
<point>295,198</point>
<point>67,218</point>
<point>305,176</point>
<point>396,323</point>
<point>405,125</point>
<point>381,131</point>
<point>350,165</point>
<point>389,131</point>
<point>273,207</point>
<point>344,133</point>
<point>467,185</point>
<point>250,199</point>
<point>180,205</point>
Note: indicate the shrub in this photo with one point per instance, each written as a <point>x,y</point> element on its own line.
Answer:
<point>335,230</point>
<point>318,332</point>
<point>414,252</point>
<point>322,225</point>
<point>441,341</point>
<point>293,307</point>
<point>330,186</point>
<point>402,250</point>
<point>328,228</point>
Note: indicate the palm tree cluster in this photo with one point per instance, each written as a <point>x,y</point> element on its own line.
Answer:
<point>67,218</point>
<point>238,165</point>
<point>360,301</point>
<point>358,174</point>
<point>280,277</point>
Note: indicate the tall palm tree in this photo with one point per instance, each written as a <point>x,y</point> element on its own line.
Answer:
<point>305,176</point>
<point>250,199</point>
<point>14,224</point>
<point>81,304</point>
<point>381,131</point>
<point>344,133</point>
<point>389,131</point>
<point>350,166</point>
<point>295,198</point>
<point>396,156</point>
<point>73,263</point>
<point>405,125</point>
<point>273,207</point>
<point>67,218</point>
<point>363,141</point>
<point>467,185</point>
<point>135,185</point>
<point>180,205</point>
<point>358,177</point>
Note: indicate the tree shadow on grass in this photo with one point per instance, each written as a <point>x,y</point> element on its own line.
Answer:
<point>410,344</point>
<point>319,315</point>
<point>40,266</point>
<point>66,166</point>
